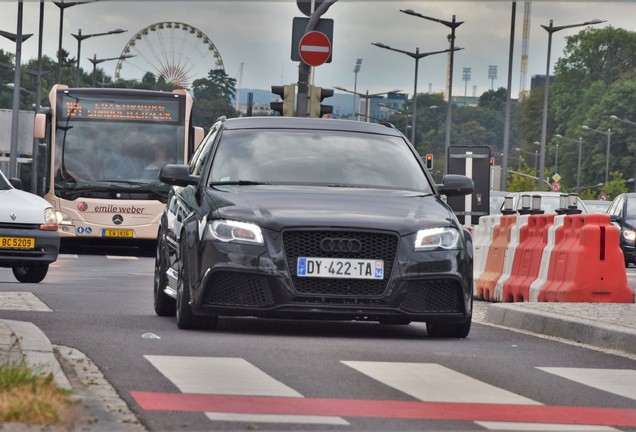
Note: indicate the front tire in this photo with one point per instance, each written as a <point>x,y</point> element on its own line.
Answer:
<point>31,274</point>
<point>186,320</point>
<point>163,303</point>
<point>447,330</point>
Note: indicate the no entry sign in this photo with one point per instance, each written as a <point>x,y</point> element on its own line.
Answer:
<point>314,48</point>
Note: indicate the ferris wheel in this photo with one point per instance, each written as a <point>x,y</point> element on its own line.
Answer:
<point>178,52</point>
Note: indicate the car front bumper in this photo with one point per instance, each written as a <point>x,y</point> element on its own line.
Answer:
<point>45,251</point>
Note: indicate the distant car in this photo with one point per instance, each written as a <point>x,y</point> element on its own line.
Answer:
<point>282,217</point>
<point>622,212</point>
<point>29,240</point>
<point>550,201</point>
<point>496,201</point>
<point>597,206</point>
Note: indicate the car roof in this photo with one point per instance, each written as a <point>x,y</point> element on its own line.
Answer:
<point>276,122</point>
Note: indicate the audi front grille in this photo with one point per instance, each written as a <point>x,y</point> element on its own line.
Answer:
<point>340,244</point>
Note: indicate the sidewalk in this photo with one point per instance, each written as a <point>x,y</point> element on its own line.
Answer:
<point>609,326</point>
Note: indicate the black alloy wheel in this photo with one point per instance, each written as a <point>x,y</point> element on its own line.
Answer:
<point>31,274</point>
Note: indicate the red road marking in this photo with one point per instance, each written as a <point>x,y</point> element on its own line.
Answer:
<point>385,409</point>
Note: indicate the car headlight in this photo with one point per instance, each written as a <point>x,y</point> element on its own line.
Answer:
<point>629,235</point>
<point>50,220</point>
<point>63,219</point>
<point>436,238</point>
<point>233,231</point>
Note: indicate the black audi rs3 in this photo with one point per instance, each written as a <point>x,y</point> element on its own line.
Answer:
<point>281,217</point>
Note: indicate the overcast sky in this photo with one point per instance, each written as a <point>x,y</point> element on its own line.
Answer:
<point>255,37</point>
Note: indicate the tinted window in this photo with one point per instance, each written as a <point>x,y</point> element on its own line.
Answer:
<point>317,157</point>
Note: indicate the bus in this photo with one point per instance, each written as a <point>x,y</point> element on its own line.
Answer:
<point>102,150</point>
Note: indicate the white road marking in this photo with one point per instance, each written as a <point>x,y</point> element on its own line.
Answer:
<point>434,383</point>
<point>118,257</point>
<point>22,301</point>
<point>511,426</point>
<point>231,376</point>
<point>620,382</point>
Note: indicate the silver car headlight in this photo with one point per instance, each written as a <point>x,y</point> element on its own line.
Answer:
<point>436,238</point>
<point>629,235</point>
<point>50,220</point>
<point>233,231</point>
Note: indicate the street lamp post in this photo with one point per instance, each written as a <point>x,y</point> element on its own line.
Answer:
<point>608,134</point>
<point>365,96</point>
<point>417,55</point>
<point>453,24</point>
<point>551,29</point>
<point>356,69</point>
<point>535,154</point>
<point>18,38</point>
<point>80,37</point>
<point>578,165</point>
<point>97,61</point>
<point>62,5</point>
<point>613,117</point>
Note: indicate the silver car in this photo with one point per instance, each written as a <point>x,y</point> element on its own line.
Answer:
<point>29,240</point>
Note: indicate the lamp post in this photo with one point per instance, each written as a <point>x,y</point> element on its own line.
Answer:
<point>578,166</point>
<point>608,134</point>
<point>417,55</point>
<point>535,154</point>
<point>80,37</point>
<point>62,5</point>
<point>18,38</point>
<point>367,97</point>
<point>453,24</point>
<point>613,117</point>
<point>356,69</point>
<point>551,29</point>
<point>97,61</point>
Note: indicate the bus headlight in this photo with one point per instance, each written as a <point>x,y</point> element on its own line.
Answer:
<point>235,232</point>
<point>63,219</point>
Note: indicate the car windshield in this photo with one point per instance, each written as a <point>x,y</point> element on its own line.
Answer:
<point>630,209</point>
<point>332,158</point>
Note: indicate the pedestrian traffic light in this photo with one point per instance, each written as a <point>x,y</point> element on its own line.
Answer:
<point>492,161</point>
<point>316,95</point>
<point>286,93</point>
<point>429,161</point>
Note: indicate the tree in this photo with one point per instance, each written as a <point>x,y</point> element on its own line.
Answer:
<point>205,111</point>
<point>494,99</point>
<point>218,85</point>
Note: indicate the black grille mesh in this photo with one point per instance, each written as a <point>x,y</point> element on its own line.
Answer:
<point>307,244</point>
<point>437,295</point>
<point>238,289</point>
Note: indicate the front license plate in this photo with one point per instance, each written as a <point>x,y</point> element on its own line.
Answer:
<point>345,268</point>
<point>117,233</point>
<point>17,242</point>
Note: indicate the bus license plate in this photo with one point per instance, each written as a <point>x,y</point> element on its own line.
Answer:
<point>344,268</point>
<point>17,242</point>
<point>117,233</point>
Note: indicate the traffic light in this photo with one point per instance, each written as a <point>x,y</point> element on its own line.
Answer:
<point>316,95</point>
<point>286,93</point>
<point>429,161</point>
<point>492,161</point>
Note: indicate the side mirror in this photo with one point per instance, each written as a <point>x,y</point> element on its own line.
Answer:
<point>177,175</point>
<point>39,126</point>
<point>16,183</point>
<point>454,184</point>
<point>613,218</point>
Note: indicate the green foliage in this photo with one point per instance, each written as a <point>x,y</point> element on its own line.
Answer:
<point>615,186</point>
<point>522,183</point>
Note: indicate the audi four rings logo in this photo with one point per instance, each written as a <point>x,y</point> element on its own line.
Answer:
<point>340,245</point>
<point>118,219</point>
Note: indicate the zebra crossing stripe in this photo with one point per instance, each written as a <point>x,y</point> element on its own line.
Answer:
<point>616,381</point>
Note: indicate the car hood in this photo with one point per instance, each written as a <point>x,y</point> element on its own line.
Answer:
<point>276,207</point>
<point>17,206</point>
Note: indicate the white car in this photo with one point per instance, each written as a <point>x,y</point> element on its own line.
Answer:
<point>29,240</point>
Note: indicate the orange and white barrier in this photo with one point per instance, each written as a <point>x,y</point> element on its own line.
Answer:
<point>565,258</point>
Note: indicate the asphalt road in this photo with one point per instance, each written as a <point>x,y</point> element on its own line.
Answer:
<point>309,375</point>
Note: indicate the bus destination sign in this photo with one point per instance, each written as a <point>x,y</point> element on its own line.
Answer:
<point>123,109</point>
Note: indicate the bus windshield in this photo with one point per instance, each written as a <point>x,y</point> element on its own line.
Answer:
<point>110,151</point>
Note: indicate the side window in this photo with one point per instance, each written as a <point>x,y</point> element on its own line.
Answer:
<point>202,154</point>
<point>617,207</point>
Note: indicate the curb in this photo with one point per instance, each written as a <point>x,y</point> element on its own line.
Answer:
<point>36,350</point>
<point>579,330</point>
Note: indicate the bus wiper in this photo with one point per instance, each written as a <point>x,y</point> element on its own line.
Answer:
<point>238,182</point>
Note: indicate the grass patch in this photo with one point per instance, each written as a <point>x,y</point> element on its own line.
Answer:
<point>29,396</point>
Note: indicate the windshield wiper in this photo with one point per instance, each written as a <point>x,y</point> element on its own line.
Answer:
<point>238,183</point>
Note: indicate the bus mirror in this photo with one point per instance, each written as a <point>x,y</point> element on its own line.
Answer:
<point>198,136</point>
<point>39,127</point>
